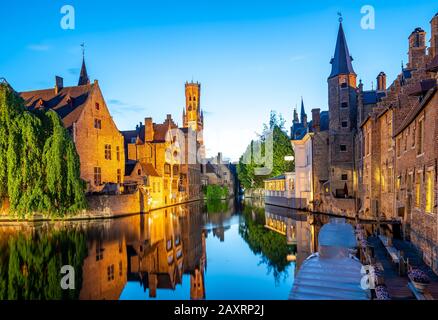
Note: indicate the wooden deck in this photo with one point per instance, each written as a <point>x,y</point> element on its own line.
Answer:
<point>398,286</point>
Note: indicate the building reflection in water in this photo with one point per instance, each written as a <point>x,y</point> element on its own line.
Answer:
<point>299,228</point>
<point>155,251</point>
<point>160,250</point>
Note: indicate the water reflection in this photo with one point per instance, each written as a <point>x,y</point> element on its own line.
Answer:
<point>162,255</point>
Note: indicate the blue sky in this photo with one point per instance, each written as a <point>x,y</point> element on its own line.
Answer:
<point>250,56</point>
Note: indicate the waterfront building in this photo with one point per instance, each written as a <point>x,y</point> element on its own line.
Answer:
<point>218,171</point>
<point>416,169</point>
<point>150,181</point>
<point>280,190</point>
<point>85,115</point>
<point>173,152</point>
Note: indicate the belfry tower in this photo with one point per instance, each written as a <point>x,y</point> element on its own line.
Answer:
<point>193,116</point>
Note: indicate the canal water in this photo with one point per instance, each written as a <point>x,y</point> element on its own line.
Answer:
<point>216,250</point>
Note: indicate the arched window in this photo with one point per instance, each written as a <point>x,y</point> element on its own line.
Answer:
<point>194,98</point>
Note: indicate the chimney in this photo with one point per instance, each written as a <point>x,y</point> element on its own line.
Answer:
<point>381,81</point>
<point>148,129</point>
<point>417,48</point>
<point>316,119</point>
<point>59,84</point>
<point>433,49</point>
<point>219,158</point>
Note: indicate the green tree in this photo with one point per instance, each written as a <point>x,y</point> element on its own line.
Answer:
<point>39,165</point>
<point>248,162</point>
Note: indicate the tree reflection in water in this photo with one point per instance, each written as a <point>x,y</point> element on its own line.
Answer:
<point>270,245</point>
<point>30,265</point>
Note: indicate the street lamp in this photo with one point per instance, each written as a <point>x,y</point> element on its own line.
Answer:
<point>289,158</point>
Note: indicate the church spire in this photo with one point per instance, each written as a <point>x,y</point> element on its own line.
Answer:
<point>303,112</point>
<point>83,78</point>
<point>341,62</point>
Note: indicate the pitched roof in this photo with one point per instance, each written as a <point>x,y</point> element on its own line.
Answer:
<point>67,102</point>
<point>149,169</point>
<point>341,62</point>
<point>372,96</point>
<point>416,110</point>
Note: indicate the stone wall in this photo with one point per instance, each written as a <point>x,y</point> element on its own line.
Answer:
<point>115,205</point>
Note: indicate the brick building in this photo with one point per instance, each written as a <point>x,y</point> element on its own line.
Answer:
<point>85,114</point>
<point>173,152</point>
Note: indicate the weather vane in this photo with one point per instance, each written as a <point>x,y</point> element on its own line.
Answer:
<point>340,16</point>
<point>83,49</point>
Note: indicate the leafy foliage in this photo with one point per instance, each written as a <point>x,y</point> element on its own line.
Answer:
<point>250,161</point>
<point>39,165</point>
<point>215,192</point>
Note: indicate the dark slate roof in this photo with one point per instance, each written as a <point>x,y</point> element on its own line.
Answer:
<point>83,78</point>
<point>341,62</point>
<point>298,131</point>
<point>372,96</point>
<point>68,102</point>
<point>324,121</point>
<point>421,87</point>
<point>129,167</point>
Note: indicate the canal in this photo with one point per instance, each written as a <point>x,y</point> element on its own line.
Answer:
<point>216,250</point>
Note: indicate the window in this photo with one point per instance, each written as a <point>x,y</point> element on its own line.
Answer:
<point>119,176</point>
<point>418,190</point>
<point>413,137</point>
<point>118,153</point>
<point>343,148</point>
<point>167,168</point>
<point>110,272</point>
<point>97,176</point>
<point>429,191</point>
<point>98,123</point>
<point>405,147</point>
<point>97,105</point>
<point>343,85</point>
<point>166,184</point>
<point>175,169</point>
<point>99,251</point>
<point>344,124</point>
<point>344,177</point>
<point>420,137</point>
<point>399,141</point>
<point>344,105</point>
<point>139,172</point>
<point>154,187</point>
<point>108,152</point>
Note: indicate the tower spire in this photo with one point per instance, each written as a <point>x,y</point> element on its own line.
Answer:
<point>303,112</point>
<point>341,62</point>
<point>83,77</point>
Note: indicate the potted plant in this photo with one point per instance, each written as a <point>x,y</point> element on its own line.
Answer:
<point>419,279</point>
<point>382,292</point>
